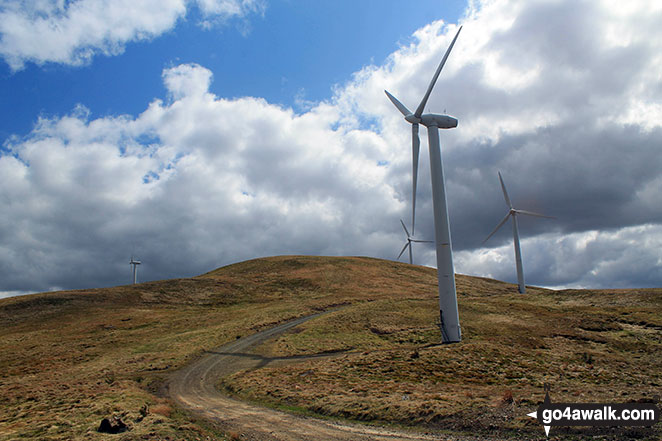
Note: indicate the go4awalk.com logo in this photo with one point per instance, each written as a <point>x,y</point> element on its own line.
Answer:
<point>594,414</point>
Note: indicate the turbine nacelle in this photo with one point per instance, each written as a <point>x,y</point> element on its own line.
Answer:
<point>441,121</point>
<point>433,119</point>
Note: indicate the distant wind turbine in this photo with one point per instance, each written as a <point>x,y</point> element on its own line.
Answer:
<point>448,314</point>
<point>518,253</point>
<point>408,244</point>
<point>135,264</point>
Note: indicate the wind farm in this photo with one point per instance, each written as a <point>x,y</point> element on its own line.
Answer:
<point>247,153</point>
<point>373,357</point>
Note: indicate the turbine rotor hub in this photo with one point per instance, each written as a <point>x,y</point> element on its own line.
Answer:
<point>411,118</point>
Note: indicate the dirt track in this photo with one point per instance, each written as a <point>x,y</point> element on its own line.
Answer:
<point>194,389</point>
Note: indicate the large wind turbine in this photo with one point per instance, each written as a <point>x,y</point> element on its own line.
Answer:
<point>408,244</point>
<point>135,263</point>
<point>450,319</point>
<point>518,253</point>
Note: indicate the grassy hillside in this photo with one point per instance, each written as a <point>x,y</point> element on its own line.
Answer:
<point>69,359</point>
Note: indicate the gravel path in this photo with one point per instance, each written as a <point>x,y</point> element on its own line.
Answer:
<point>193,388</point>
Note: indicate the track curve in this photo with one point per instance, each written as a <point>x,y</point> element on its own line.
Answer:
<point>193,388</point>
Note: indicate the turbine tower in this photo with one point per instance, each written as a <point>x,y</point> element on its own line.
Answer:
<point>408,244</point>
<point>518,253</point>
<point>448,313</point>
<point>135,264</point>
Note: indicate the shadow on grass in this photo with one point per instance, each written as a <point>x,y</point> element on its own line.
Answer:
<point>263,361</point>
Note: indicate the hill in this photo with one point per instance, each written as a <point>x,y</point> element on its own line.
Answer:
<point>69,359</point>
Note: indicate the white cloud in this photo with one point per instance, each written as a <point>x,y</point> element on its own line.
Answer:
<point>546,94</point>
<point>187,80</point>
<point>610,259</point>
<point>5,294</point>
<point>73,32</point>
<point>198,181</point>
<point>218,181</point>
<point>219,11</point>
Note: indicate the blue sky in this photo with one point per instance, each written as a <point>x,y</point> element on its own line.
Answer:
<point>198,133</point>
<point>288,53</point>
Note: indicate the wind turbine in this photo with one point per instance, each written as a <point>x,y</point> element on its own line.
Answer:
<point>518,253</point>
<point>408,244</point>
<point>449,317</point>
<point>135,263</point>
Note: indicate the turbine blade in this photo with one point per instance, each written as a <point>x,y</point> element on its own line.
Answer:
<point>505,193</point>
<point>419,109</point>
<point>403,250</point>
<point>530,213</point>
<point>503,221</point>
<point>403,226</point>
<point>415,148</point>
<point>401,107</point>
<point>422,241</point>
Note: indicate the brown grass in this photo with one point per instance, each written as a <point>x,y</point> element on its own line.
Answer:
<point>69,359</point>
<point>591,346</point>
<point>161,409</point>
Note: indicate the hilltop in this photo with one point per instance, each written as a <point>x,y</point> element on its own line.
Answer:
<point>70,358</point>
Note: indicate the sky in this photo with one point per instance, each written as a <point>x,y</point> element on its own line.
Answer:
<point>193,134</point>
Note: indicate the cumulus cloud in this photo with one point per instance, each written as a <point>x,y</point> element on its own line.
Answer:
<point>72,32</point>
<point>559,96</point>
<point>545,93</point>
<point>187,80</point>
<point>612,258</point>
<point>187,185</point>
